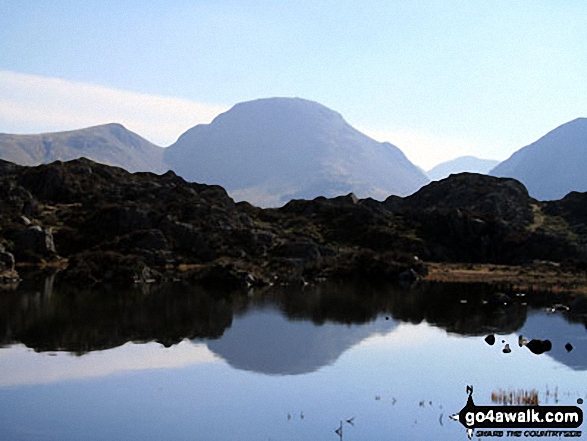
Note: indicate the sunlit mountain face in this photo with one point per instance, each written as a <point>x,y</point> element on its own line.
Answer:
<point>272,150</point>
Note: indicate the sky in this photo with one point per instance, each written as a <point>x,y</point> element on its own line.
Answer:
<point>439,79</point>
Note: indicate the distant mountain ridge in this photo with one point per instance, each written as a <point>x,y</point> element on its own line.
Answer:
<point>110,144</point>
<point>554,165</point>
<point>266,152</point>
<point>470,164</point>
<point>272,150</point>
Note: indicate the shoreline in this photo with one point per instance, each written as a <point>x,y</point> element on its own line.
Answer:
<point>534,277</point>
<point>542,276</point>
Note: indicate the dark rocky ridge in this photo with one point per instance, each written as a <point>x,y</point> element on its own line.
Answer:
<point>118,227</point>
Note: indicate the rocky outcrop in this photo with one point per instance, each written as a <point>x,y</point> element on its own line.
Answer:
<point>6,260</point>
<point>572,210</point>
<point>118,227</point>
<point>479,195</point>
<point>7,271</point>
<point>89,267</point>
<point>476,218</point>
<point>33,242</point>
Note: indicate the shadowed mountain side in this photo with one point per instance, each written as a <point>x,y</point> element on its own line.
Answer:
<point>552,166</point>
<point>110,144</point>
<point>272,150</point>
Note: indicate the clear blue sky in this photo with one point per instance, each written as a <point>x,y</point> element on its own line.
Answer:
<point>436,78</point>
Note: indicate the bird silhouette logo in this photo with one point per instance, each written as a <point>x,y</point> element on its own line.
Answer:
<point>468,407</point>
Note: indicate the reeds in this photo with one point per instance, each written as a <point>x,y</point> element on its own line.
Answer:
<point>520,397</point>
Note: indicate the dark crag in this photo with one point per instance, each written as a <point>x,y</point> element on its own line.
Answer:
<point>113,226</point>
<point>119,227</point>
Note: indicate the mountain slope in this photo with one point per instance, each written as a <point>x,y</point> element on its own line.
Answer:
<point>110,144</point>
<point>552,166</point>
<point>461,164</point>
<point>272,150</point>
<point>265,341</point>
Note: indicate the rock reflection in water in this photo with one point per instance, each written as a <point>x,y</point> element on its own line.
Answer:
<point>82,320</point>
<point>50,317</point>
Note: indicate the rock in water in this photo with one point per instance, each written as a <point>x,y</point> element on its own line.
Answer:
<point>538,346</point>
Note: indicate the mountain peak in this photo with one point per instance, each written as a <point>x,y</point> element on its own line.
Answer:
<point>580,121</point>
<point>111,144</point>
<point>281,102</point>
<point>272,150</point>
<point>113,126</point>
<point>284,104</point>
<point>461,164</point>
<point>293,114</point>
<point>552,166</point>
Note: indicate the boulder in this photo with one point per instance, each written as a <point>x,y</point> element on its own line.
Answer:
<point>8,273</point>
<point>33,242</point>
<point>299,249</point>
<point>152,240</point>
<point>538,346</point>
<point>481,195</point>
<point>109,267</point>
<point>6,260</point>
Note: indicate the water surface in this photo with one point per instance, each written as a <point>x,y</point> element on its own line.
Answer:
<point>179,362</point>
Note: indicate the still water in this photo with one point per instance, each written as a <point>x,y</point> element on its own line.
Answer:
<point>178,362</point>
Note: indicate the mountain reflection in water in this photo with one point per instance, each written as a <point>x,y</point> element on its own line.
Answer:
<point>284,363</point>
<point>262,341</point>
<point>268,330</point>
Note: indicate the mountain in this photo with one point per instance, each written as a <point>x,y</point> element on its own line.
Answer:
<point>552,166</point>
<point>110,144</point>
<point>265,341</point>
<point>270,151</point>
<point>461,164</point>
